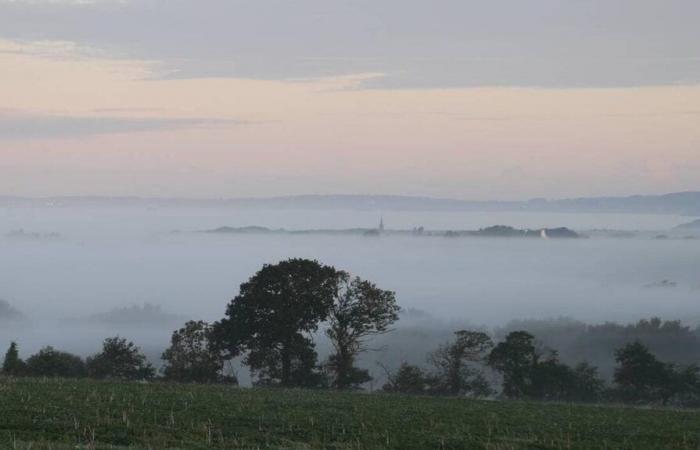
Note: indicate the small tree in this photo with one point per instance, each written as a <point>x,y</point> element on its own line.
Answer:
<point>13,365</point>
<point>686,386</point>
<point>515,359</point>
<point>588,386</point>
<point>640,376</point>
<point>192,356</point>
<point>360,310</point>
<point>529,373</point>
<point>119,359</point>
<point>550,379</point>
<point>272,318</point>
<point>50,362</point>
<point>408,379</point>
<point>480,386</point>
<point>455,363</point>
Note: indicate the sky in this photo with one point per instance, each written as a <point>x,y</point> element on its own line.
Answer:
<point>478,100</point>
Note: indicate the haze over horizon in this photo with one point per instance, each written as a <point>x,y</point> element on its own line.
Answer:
<point>341,195</point>
<point>487,212</point>
<point>460,99</point>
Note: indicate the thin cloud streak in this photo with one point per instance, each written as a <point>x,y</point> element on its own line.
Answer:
<point>22,127</point>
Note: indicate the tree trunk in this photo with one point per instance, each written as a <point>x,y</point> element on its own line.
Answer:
<point>286,366</point>
<point>344,369</point>
<point>456,377</point>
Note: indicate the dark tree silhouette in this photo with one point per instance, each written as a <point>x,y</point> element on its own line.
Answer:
<point>455,362</point>
<point>302,364</point>
<point>50,362</point>
<point>588,386</point>
<point>408,379</point>
<point>271,319</point>
<point>515,358</point>
<point>192,357</point>
<point>550,379</point>
<point>13,365</point>
<point>686,386</point>
<point>529,373</point>
<point>360,310</point>
<point>119,359</point>
<point>640,376</point>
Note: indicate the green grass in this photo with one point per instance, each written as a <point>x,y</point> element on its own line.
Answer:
<point>60,414</point>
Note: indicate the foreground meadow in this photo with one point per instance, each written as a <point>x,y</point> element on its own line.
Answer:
<point>60,414</point>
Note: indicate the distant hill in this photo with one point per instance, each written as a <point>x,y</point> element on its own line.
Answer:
<point>684,203</point>
<point>677,203</point>
<point>694,225</point>
<point>9,313</point>
<point>135,315</point>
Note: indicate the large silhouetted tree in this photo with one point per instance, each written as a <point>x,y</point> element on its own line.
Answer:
<point>273,316</point>
<point>360,310</point>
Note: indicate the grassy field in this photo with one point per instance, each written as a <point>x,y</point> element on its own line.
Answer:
<point>60,414</point>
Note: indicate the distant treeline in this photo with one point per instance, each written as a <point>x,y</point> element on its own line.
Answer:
<point>496,231</point>
<point>269,327</point>
<point>576,341</point>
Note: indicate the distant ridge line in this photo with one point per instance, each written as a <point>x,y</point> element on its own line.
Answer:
<point>684,203</point>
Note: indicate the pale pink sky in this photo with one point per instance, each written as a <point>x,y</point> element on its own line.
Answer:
<point>77,120</point>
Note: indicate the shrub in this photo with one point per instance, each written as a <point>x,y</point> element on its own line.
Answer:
<point>50,362</point>
<point>119,359</point>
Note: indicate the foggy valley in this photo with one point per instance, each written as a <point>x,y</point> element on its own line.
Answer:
<point>81,273</point>
<point>349,224</point>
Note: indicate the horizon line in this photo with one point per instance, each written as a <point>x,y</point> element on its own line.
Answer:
<point>346,196</point>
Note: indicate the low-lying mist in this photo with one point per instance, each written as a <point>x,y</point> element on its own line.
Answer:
<point>75,276</point>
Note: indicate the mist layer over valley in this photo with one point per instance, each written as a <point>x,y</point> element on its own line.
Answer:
<point>76,275</point>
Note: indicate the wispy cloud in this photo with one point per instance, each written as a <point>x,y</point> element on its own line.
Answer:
<point>46,49</point>
<point>27,126</point>
<point>416,44</point>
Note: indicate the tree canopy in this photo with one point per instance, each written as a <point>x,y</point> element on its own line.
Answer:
<point>50,362</point>
<point>360,310</point>
<point>455,361</point>
<point>13,365</point>
<point>119,359</point>
<point>192,356</point>
<point>515,358</point>
<point>271,319</point>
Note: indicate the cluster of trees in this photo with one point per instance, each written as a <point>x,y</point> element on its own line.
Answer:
<point>270,326</point>
<point>456,369</point>
<point>119,359</point>
<point>575,341</point>
<point>525,371</point>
